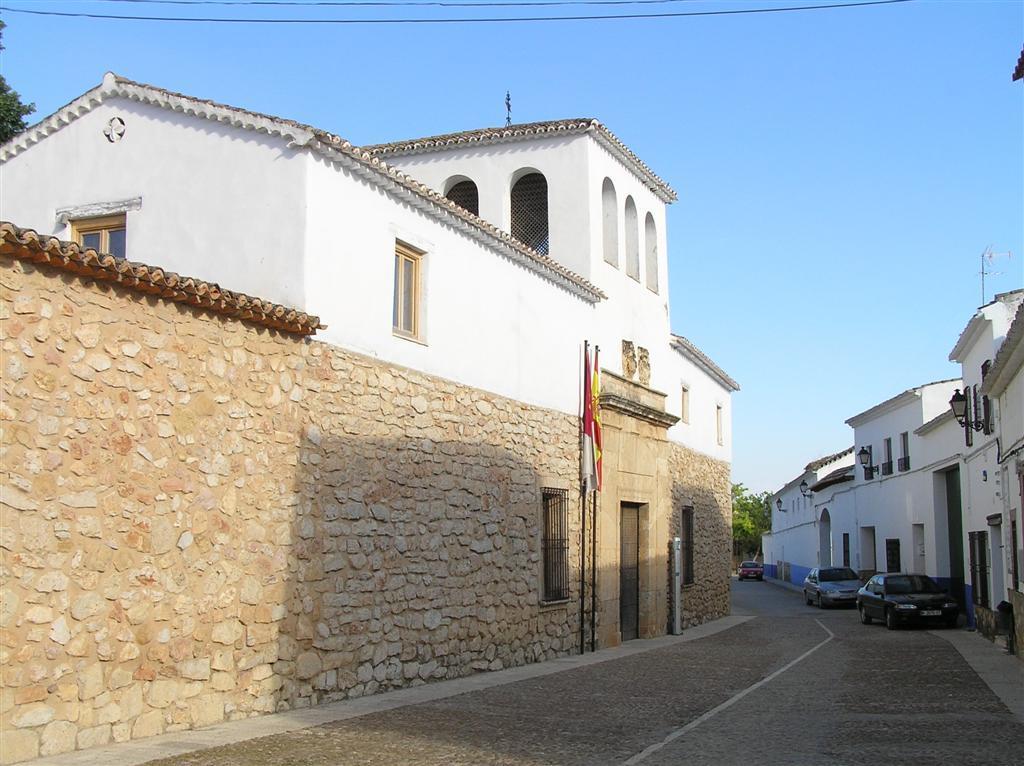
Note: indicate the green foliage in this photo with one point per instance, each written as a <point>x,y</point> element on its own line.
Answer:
<point>751,517</point>
<point>12,111</point>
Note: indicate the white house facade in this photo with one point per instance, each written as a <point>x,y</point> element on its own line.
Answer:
<point>1005,384</point>
<point>987,526</point>
<point>885,509</point>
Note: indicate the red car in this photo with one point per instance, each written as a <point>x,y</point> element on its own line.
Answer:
<point>751,569</point>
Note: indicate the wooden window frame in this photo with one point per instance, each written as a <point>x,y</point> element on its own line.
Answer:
<point>101,225</point>
<point>686,546</point>
<point>720,424</point>
<point>684,404</point>
<point>404,253</point>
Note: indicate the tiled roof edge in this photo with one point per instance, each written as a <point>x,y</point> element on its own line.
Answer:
<point>999,375</point>
<point>528,131</point>
<point>327,144</point>
<point>901,398</point>
<point>684,346</point>
<point>814,465</point>
<point>28,245</point>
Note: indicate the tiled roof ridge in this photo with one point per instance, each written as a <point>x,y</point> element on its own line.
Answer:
<point>706,361</point>
<point>528,130</point>
<point>325,143</point>
<point>29,245</point>
<point>914,390</point>
<point>1018,71</point>
<point>814,465</point>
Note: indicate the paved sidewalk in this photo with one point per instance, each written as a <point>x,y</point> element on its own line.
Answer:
<point>183,742</point>
<point>1002,673</point>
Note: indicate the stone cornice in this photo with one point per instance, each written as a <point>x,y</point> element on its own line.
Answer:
<point>637,410</point>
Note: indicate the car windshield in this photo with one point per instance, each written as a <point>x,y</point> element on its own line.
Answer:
<point>911,584</point>
<point>749,564</point>
<point>839,573</point>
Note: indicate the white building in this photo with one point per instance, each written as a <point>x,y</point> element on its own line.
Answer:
<point>987,474</point>
<point>798,542</point>
<point>885,507</point>
<point>1005,384</point>
<point>558,236</point>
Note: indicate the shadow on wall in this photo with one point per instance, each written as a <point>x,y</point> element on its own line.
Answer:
<point>409,561</point>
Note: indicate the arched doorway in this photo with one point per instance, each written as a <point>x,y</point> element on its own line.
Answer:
<point>825,539</point>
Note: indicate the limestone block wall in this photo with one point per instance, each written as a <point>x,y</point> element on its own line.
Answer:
<point>704,483</point>
<point>203,520</point>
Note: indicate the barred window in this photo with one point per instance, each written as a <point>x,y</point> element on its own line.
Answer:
<point>686,544</point>
<point>555,544</point>
<point>978,550</point>
<point>465,195</point>
<point>530,212</point>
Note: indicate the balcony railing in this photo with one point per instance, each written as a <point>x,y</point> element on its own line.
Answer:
<point>903,464</point>
<point>887,468</point>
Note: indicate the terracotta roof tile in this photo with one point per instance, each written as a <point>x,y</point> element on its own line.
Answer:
<point>1018,72</point>
<point>27,245</point>
<point>814,465</point>
<point>525,131</point>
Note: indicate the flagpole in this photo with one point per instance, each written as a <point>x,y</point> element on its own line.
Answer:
<point>583,506</point>
<point>593,541</point>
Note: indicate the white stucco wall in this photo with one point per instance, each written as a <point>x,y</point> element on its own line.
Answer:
<point>242,209</point>
<point>494,167</point>
<point>218,202</point>
<point>487,321</point>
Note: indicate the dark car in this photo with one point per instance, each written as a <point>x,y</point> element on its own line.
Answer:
<point>751,569</point>
<point>898,599</point>
<point>831,586</point>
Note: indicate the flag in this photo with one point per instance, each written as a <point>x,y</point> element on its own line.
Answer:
<point>588,467</point>
<point>591,452</point>
<point>595,411</point>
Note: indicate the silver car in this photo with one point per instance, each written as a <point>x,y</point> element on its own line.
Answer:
<point>831,586</point>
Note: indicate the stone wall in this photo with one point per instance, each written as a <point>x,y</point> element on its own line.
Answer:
<point>205,520</point>
<point>704,484</point>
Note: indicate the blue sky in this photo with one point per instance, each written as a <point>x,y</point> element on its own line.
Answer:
<point>839,172</point>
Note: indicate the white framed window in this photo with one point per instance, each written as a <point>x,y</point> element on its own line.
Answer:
<point>719,424</point>
<point>408,291</point>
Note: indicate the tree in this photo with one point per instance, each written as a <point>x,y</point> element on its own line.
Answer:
<point>12,111</point>
<point>751,517</point>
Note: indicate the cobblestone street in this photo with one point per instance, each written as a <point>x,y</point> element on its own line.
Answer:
<point>867,695</point>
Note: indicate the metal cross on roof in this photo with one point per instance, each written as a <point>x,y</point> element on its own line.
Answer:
<point>508,108</point>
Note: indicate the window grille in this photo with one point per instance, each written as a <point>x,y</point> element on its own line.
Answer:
<point>465,195</point>
<point>846,549</point>
<point>978,545</point>
<point>686,544</point>
<point>555,544</point>
<point>530,212</point>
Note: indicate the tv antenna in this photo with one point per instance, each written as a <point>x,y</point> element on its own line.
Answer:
<point>987,259</point>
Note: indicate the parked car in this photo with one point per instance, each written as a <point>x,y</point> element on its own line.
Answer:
<point>831,586</point>
<point>897,599</point>
<point>752,569</point>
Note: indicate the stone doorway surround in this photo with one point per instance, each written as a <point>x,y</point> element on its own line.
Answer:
<point>635,454</point>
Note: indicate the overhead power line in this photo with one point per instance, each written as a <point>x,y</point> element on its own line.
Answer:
<point>403,3</point>
<point>477,20</point>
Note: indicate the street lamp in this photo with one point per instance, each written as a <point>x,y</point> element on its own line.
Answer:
<point>804,489</point>
<point>865,458</point>
<point>778,503</point>
<point>958,403</point>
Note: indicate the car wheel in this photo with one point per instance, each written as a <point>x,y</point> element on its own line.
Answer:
<point>890,619</point>
<point>807,599</point>
<point>865,618</point>
<point>760,578</point>
<point>817,601</point>
<point>951,621</point>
